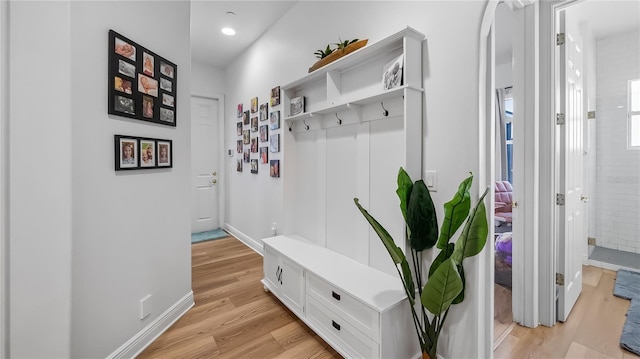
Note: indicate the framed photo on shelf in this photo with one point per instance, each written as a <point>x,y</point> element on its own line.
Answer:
<point>165,153</point>
<point>297,106</point>
<point>274,168</point>
<point>126,153</point>
<point>264,112</point>
<point>142,84</point>
<point>274,120</point>
<point>392,76</point>
<point>275,96</point>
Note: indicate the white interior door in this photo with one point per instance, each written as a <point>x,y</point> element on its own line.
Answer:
<point>572,231</point>
<point>204,164</point>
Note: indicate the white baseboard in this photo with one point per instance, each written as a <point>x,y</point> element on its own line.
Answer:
<point>151,332</point>
<point>250,242</point>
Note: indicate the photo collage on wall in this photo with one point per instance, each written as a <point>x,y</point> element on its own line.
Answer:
<point>256,137</point>
<point>142,84</point>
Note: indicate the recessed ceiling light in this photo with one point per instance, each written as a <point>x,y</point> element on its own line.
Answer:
<point>228,31</point>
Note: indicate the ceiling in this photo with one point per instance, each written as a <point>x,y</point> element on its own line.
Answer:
<point>252,18</point>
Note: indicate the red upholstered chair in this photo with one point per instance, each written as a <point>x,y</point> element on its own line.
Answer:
<point>504,198</point>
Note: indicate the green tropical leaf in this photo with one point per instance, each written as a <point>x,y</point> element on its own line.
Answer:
<point>441,288</point>
<point>408,281</point>
<point>442,256</point>
<point>460,296</point>
<point>421,218</point>
<point>404,190</point>
<point>474,234</point>
<point>455,212</point>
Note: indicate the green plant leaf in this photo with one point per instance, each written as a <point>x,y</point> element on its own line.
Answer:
<point>441,288</point>
<point>421,218</point>
<point>395,252</point>
<point>442,256</point>
<point>474,234</point>
<point>460,296</point>
<point>455,212</point>
<point>404,190</point>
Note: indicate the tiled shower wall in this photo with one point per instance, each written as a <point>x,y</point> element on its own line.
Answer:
<point>618,168</point>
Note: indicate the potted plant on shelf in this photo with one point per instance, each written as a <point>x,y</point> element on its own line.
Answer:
<point>341,49</point>
<point>445,281</point>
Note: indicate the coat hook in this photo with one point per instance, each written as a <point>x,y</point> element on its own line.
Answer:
<point>339,120</point>
<point>290,126</point>
<point>384,110</point>
<point>306,127</point>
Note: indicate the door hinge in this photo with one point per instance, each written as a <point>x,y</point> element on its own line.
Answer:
<point>559,199</point>
<point>591,115</point>
<point>559,279</point>
<point>560,39</point>
<point>560,119</point>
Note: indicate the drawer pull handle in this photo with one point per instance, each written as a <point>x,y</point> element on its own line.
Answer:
<point>335,295</point>
<point>335,325</point>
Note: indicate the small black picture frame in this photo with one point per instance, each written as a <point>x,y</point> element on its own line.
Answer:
<point>142,84</point>
<point>135,153</point>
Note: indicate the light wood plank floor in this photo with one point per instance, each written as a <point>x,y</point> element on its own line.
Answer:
<point>592,330</point>
<point>233,316</point>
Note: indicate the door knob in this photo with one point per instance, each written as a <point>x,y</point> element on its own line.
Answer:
<point>214,181</point>
<point>515,204</point>
<point>584,198</point>
<point>214,173</point>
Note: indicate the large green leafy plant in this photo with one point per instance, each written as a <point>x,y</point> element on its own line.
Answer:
<point>445,281</point>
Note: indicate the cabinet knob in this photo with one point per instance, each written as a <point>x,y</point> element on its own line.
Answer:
<point>335,295</point>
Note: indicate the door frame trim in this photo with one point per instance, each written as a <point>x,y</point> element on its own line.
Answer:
<point>221,153</point>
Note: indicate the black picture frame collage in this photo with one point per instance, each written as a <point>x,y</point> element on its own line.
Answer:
<point>256,136</point>
<point>142,85</point>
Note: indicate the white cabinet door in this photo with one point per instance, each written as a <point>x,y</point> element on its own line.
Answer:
<point>292,285</point>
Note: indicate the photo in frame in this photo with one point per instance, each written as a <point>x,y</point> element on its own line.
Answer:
<point>147,153</point>
<point>254,166</point>
<point>274,120</point>
<point>275,96</point>
<point>297,106</point>
<point>254,105</point>
<point>254,124</point>
<point>126,153</point>
<point>165,153</point>
<point>239,165</point>
<point>132,153</point>
<point>137,74</point>
<point>264,112</point>
<point>274,143</point>
<point>392,76</point>
<point>274,168</point>
<point>264,154</point>
<point>264,133</point>
<point>239,113</point>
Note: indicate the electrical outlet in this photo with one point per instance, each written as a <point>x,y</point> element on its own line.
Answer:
<point>145,306</point>
<point>274,228</point>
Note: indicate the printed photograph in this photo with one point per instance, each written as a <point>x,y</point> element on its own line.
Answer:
<point>124,104</point>
<point>164,154</point>
<point>147,151</point>
<point>125,49</point>
<point>128,152</point>
<point>392,76</point>
<point>254,145</point>
<point>166,69</point>
<point>246,156</point>
<point>275,96</point>
<point>254,166</point>
<point>297,106</point>
<point>264,136</point>
<point>239,113</point>
<point>166,115</point>
<point>274,143</point>
<point>254,105</point>
<point>126,69</point>
<point>274,168</point>
<point>239,147</point>
<point>245,118</point>
<point>245,137</point>
<point>239,128</point>
<point>166,84</point>
<point>254,124</point>
<point>274,120</point>
<point>122,85</point>
<point>264,154</point>
<point>147,64</point>
<point>239,165</point>
<point>264,112</point>
<point>147,85</point>
<point>147,106</point>
<point>168,100</point>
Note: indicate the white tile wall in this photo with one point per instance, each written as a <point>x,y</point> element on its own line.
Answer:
<point>618,169</point>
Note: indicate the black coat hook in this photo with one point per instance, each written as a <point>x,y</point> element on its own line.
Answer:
<point>339,120</point>
<point>385,113</point>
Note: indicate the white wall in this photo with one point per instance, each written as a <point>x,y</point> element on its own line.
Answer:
<point>285,52</point>
<point>206,80</point>
<point>87,243</point>
<point>40,225</point>
<point>618,190</point>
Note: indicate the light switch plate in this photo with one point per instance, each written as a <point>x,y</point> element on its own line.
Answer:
<point>431,180</point>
